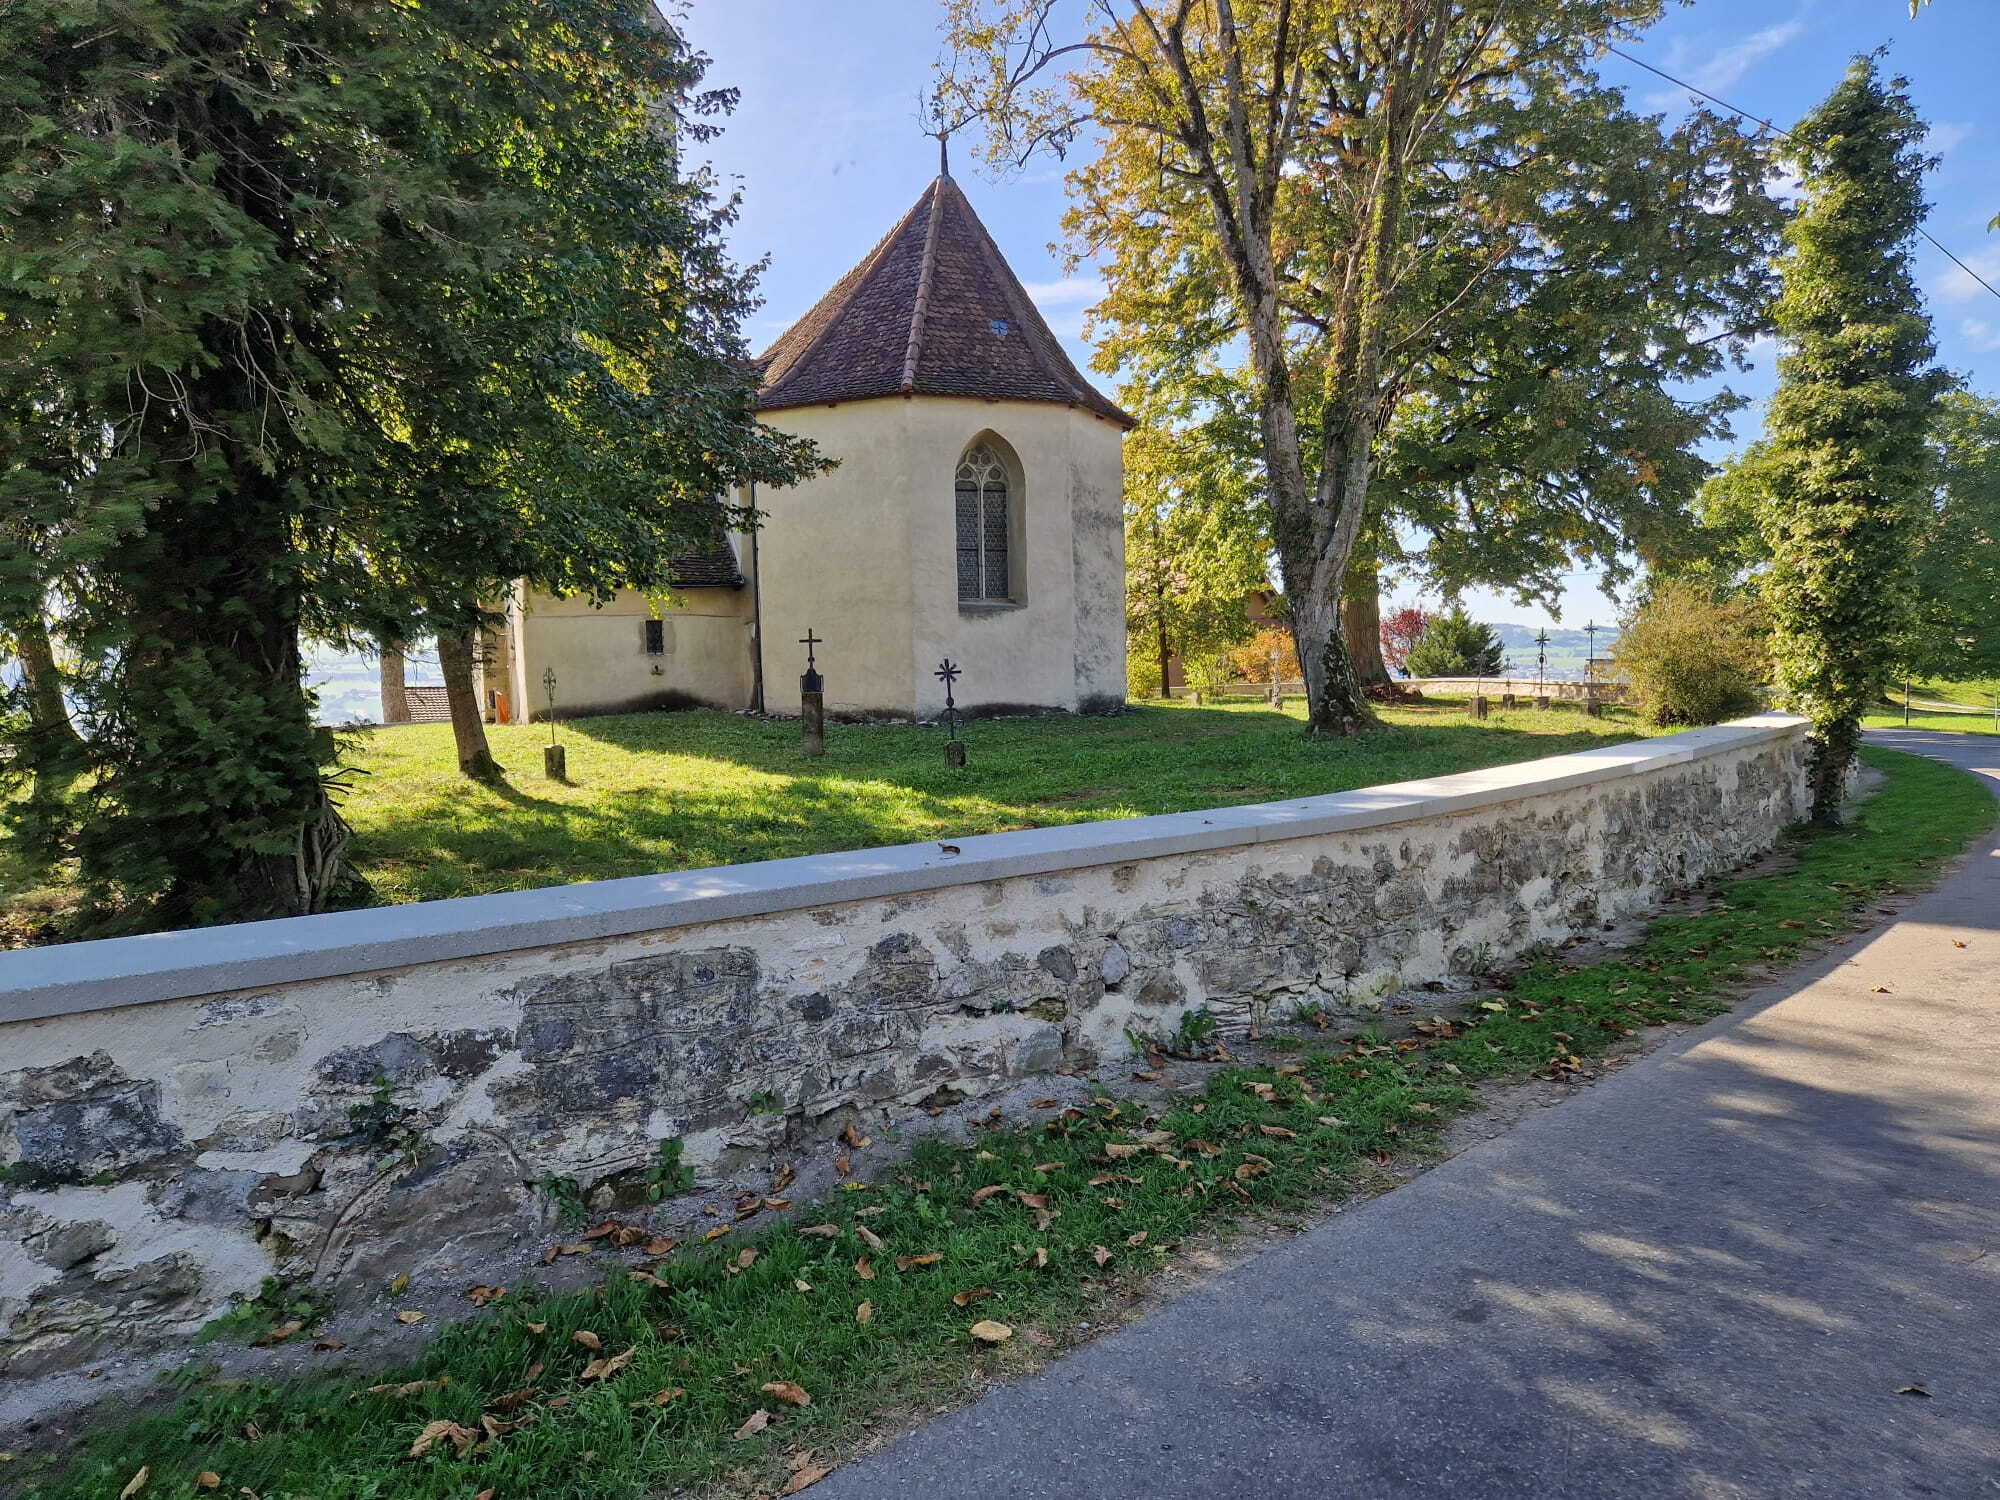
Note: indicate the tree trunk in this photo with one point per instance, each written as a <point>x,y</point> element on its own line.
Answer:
<point>468,726</point>
<point>1166,658</point>
<point>1832,753</point>
<point>48,716</point>
<point>395,694</point>
<point>1361,621</point>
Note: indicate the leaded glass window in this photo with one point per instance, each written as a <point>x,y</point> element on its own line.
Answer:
<point>984,526</point>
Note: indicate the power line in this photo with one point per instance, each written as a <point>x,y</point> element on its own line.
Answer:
<point>1775,129</point>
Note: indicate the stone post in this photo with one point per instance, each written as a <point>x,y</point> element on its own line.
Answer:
<point>812,700</point>
<point>1507,700</point>
<point>1541,700</point>
<point>1479,706</point>
<point>954,755</point>
<point>555,763</point>
<point>812,717</point>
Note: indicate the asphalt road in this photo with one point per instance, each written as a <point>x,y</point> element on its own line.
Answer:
<point>1708,1276</point>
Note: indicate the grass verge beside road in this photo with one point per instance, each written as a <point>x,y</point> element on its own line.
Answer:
<point>868,1304</point>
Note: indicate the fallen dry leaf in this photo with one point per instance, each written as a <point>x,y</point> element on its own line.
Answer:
<point>865,1268</point>
<point>787,1391</point>
<point>1278,1132</point>
<point>783,1177</point>
<point>1041,1256</point>
<point>479,1296</point>
<point>758,1421</point>
<point>461,1438</point>
<point>661,1246</point>
<point>803,1286</point>
<point>1049,1166</point>
<point>604,1369</point>
<point>135,1484</point>
<point>399,1283</point>
<point>660,1398</point>
<point>1033,1200</point>
<point>409,1315</point>
<point>910,1262</point>
<point>820,1231</point>
<point>851,1137</point>
<point>327,1345</point>
<point>278,1335</point>
<point>1912,1390</point>
<point>1101,1255</point>
<point>1135,1240</point>
<point>536,1327</point>
<point>598,1232</point>
<point>646,1276</point>
<point>811,1473</point>
<point>1042,1103</point>
<point>718,1232</point>
<point>208,1479</point>
<point>1880,989</point>
<point>869,1237</point>
<point>864,1312</point>
<point>843,1165</point>
<point>513,1399</point>
<point>989,1332</point>
<point>586,1338</point>
<point>746,1259</point>
<point>987,1192</point>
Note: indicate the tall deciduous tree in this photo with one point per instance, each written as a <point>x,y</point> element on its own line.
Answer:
<point>1195,543</point>
<point>1422,222</point>
<point>340,314</point>
<point>1845,457</point>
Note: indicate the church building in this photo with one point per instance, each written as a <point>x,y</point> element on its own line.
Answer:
<point>975,513</point>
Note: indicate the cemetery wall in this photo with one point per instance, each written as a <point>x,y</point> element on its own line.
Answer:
<point>345,1098</point>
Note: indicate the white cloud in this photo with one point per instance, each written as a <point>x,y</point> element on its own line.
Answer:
<point>1719,70</point>
<point>1945,137</point>
<point>1982,335</point>
<point>1957,286</point>
<point>1071,291</point>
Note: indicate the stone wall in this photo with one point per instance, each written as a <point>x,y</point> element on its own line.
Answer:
<point>339,1099</point>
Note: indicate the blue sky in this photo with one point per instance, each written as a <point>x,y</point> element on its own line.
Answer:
<point>826,147</point>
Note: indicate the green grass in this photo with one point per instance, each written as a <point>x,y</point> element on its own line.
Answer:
<point>715,1330</point>
<point>1959,723</point>
<point>682,791</point>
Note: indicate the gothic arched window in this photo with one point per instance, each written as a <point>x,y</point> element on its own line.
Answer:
<point>985,522</point>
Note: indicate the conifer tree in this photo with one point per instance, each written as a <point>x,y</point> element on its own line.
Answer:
<point>1845,455</point>
<point>329,319</point>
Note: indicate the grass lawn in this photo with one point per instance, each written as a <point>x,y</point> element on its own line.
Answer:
<point>680,791</point>
<point>868,1304</point>
<point>1957,723</point>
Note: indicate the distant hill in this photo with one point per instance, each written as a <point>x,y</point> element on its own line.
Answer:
<point>1568,649</point>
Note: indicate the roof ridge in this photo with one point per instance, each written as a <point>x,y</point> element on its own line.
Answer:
<point>924,277</point>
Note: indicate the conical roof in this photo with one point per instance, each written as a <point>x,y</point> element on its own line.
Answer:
<point>933,310</point>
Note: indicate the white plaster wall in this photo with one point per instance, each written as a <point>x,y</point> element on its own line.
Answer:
<point>600,659</point>
<point>866,556</point>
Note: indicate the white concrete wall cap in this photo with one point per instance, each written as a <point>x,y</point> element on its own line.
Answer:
<point>73,977</point>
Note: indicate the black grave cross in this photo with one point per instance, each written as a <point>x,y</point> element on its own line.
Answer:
<point>809,680</point>
<point>954,750</point>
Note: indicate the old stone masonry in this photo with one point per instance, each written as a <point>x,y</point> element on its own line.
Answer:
<point>164,1158</point>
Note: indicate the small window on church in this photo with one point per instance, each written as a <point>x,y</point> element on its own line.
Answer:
<point>656,637</point>
<point>984,528</point>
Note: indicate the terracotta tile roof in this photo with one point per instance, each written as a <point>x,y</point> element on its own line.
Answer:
<point>933,310</point>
